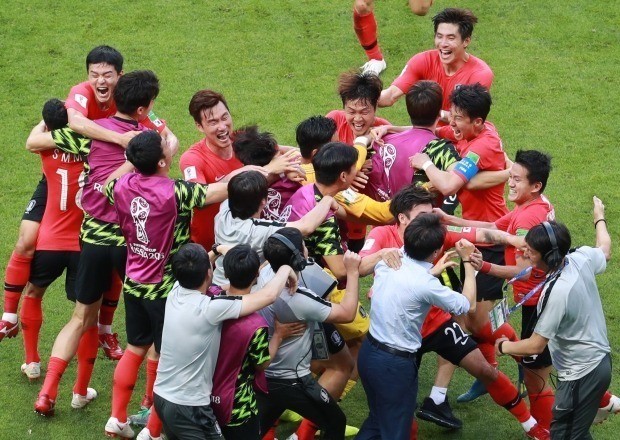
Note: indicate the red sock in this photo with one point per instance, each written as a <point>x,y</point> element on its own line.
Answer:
<point>151,373</point>
<point>366,30</point>
<point>505,394</point>
<point>154,424</point>
<point>540,407</point>
<point>15,279</point>
<point>125,377</point>
<point>31,316</point>
<point>504,330</point>
<point>413,434</point>
<point>306,430</point>
<point>605,400</point>
<point>86,356</point>
<point>271,434</point>
<point>488,351</point>
<point>110,301</point>
<point>55,369</point>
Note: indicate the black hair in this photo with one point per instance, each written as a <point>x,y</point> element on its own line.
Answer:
<point>145,151</point>
<point>277,253</point>
<point>537,164</point>
<point>190,265</point>
<point>424,101</point>
<point>463,18</point>
<point>246,191</point>
<point>55,114</point>
<point>423,236</point>
<point>253,147</point>
<point>331,160</point>
<point>472,99</point>
<point>313,133</point>
<point>135,89</point>
<point>106,55</point>
<point>408,198</point>
<point>538,239</point>
<point>241,265</point>
<point>365,87</point>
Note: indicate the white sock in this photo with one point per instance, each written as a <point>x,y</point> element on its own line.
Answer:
<point>103,329</point>
<point>10,317</point>
<point>529,424</point>
<point>438,394</point>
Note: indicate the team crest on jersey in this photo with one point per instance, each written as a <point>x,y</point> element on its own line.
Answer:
<point>81,99</point>
<point>140,210</point>
<point>473,157</point>
<point>521,232</point>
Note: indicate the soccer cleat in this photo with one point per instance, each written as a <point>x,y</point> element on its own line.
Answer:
<point>32,370</point>
<point>146,403</point>
<point>44,406</point>
<point>116,429</point>
<point>374,66</point>
<point>439,414</point>
<point>477,389</point>
<point>290,416</point>
<point>538,433</point>
<point>109,343</point>
<point>80,401</point>
<point>8,329</point>
<point>145,434</point>
<point>140,419</point>
<point>612,408</point>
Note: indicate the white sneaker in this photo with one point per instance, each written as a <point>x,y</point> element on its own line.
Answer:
<point>80,401</point>
<point>32,370</point>
<point>293,436</point>
<point>114,428</point>
<point>145,434</point>
<point>374,66</point>
<point>612,408</point>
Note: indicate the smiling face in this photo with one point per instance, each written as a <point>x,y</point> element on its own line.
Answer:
<point>450,44</point>
<point>520,189</point>
<point>360,116</point>
<point>102,78</point>
<point>462,125</point>
<point>216,124</point>
<point>535,258</point>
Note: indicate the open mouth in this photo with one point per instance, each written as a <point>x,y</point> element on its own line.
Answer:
<point>444,54</point>
<point>358,127</point>
<point>223,136</point>
<point>103,92</point>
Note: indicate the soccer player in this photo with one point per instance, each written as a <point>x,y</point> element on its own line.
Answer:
<point>571,322</point>
<point>103,246</point>
<point>365,26</point>
<point>185,374</point>
<point>154,214</point>
<point>449,64</point>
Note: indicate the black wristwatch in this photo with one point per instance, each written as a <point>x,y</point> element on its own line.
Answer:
<point>214,249</point>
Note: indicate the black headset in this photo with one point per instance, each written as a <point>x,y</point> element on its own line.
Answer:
<point>553,258</point>
<point>297,261</point>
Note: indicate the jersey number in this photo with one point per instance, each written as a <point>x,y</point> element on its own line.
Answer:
<point>458,338</point>
<point>64,188</point>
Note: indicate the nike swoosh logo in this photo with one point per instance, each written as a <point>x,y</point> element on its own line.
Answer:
<point>217,179</point>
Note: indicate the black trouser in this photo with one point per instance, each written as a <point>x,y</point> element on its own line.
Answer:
<point>187,422</point>
<point>248,430</point>
<point>307,398</point>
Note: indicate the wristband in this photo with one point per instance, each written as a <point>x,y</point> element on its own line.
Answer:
<point>600,220</point>
<point>214,249</point>
<point>499,347</point>
<point>427,164</point>
<point>466,261</point>
<point>486,267</point>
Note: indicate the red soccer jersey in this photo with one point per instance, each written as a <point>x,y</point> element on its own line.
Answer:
<point>200,164</point>
<point>383,237</point>
<point>60,227</point>
<point>345,133</point>
<point>518,222</point>
<point>486,151</point>
<point>428,66</point>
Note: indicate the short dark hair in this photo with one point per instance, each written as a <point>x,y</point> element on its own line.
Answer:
<point>190,265</point>
<point>331,160</point>
<point>366,87</point>
<point>473,99</point>
<point>408,198</point>
<point>423,236</point>
<point>54,114</point>
<point>204,100</point>
<point>277,253</point>
<point>253,147</point>
<point>538,238</point>
<point>537,164</point>
<point>313,133</point>
<point>463,18</point>
<point>241,265</point>
<point>424,101</point>
<point>135,89</point>
<point>106,55</point>
<point>246,191</point>
<point>145,151</point>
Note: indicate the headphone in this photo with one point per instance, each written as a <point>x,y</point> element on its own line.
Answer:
<point>553,258</point>
<point>297,261</point>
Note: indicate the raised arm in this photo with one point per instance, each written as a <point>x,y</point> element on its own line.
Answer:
<point>268,294</point>
<point>389,96</point>
<point>312,220</point>
<point>346,310</point>
<point>40,139</point>
<point>603,240</point>
<point>80,123</point>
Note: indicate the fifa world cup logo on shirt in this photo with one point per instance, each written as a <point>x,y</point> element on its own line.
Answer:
<point>140,212</point>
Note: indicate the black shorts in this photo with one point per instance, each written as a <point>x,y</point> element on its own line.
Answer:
<point>144,320</point>
<point>187,422</point>
<point>489,288</point>
<point>36,206</point>
<point>449,341</point>
<point>95,270</point>
<point>528,323</point>
<point>48,266</point>
<point>335,341</point>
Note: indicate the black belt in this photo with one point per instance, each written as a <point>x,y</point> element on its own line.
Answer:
<point>388,349</point>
